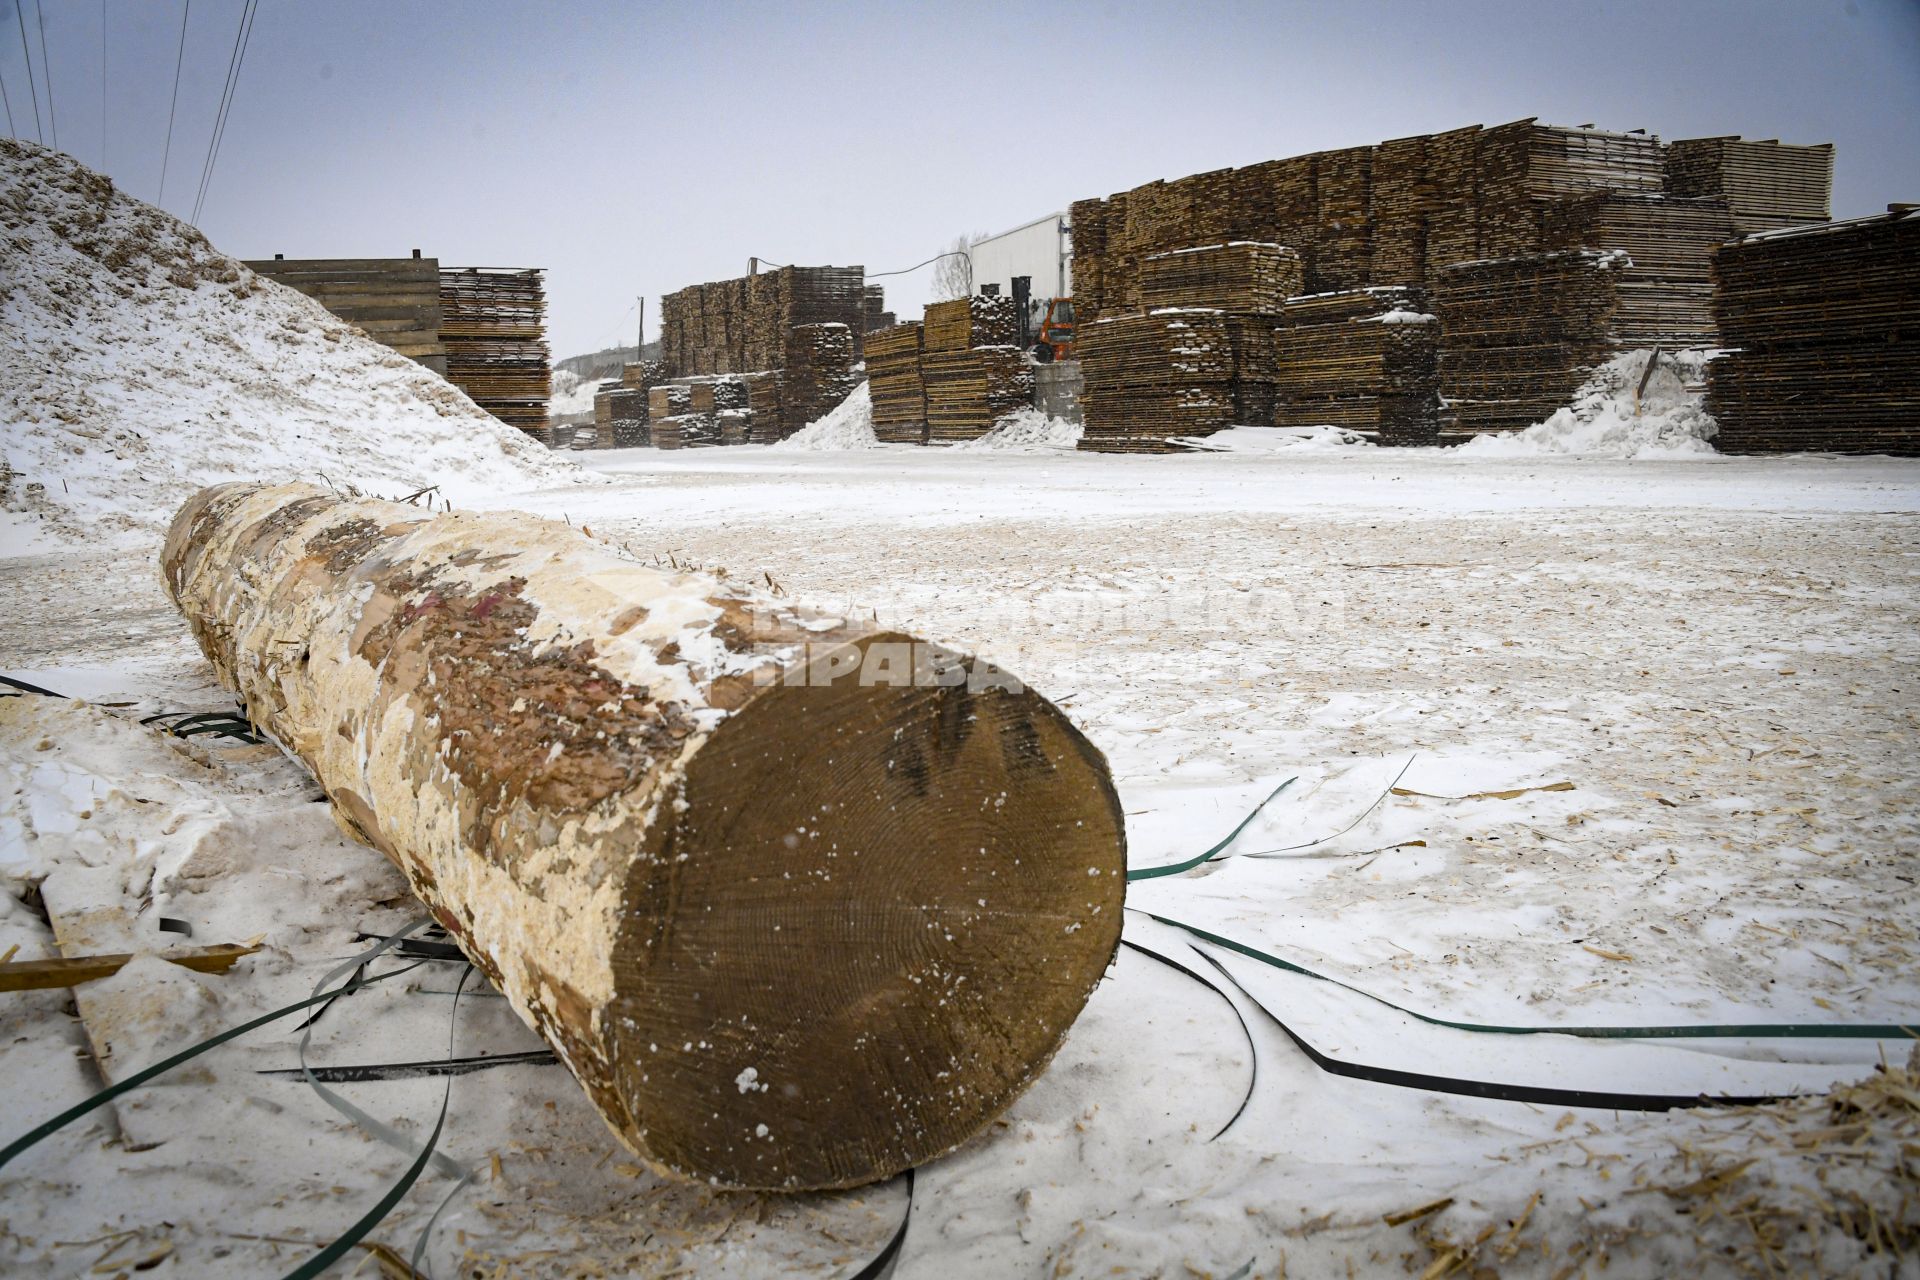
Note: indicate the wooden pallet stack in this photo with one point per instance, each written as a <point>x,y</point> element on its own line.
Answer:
<point>1364,359</point>
<point>493,326</point>
<point>1521,334</point>
<point>1827,339</point>
<point>1666,289</point>
<point>818,372</point>
<point>1241,276</point>
<point>969,391</point>
<point>1766,184</point>
<point>963,323</point>
<point>893,377</point>
<point>1152,377</point>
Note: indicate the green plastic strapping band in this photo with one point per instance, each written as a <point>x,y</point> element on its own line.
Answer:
<point>1154,873</point>
<point>1723,1031</point>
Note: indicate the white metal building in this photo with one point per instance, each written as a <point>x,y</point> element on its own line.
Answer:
<point>1039,249</point>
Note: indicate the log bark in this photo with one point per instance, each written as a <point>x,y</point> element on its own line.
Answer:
<point>800,904</point>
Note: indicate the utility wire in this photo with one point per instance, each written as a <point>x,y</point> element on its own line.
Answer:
<point>20,17</point>
<point>179,54</point>
<point>241,39</point>
<point>46,72</point>
<point>9,101</point>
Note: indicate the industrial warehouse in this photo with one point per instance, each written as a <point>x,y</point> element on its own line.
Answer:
<point>1342,708</point>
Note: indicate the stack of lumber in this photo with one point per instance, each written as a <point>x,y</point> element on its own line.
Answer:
<point>643,374</point>
<point>1341,250</point>
<point>968,391</point>
<point>1766,184</point>
<point>818,372</point>
<point>1666,290</point>
<point>977,321</point>
<point>893,378</point>
<point>1827,342</point>
<point>1521,334</point>
<point>685,431</point>
<point>1366,360</point>
<point>735,425</point>
<point>1242,276</point>
<point>1087,225</point>
<point>876,315</point>
<point>667,406</point>
<point>766,406</point>
<point>630,419</point>
<point>1153,377</point>
<point>1254,388</point>
<point>741,325</point>
<point>394,301</point>
<point>493,325</point>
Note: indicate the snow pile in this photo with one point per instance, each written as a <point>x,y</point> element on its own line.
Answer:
<point>848,425</point>
<point>572,394</point>
<point>141,364</point>
<point>1611,418</point>
<point>1322,439</point>
<point>1026,431</point>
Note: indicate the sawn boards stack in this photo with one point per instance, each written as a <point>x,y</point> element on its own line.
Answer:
<point>1152,377</point>
<point>1242,276</point>
<point>493,326</point>
<point>893,378</point>
<point>1767,185</point>
<point>1366,360</point>
<point>1827,337</point>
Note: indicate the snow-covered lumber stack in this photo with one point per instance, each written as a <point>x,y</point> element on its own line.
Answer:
<point>1766,184</point>
<point>742,325</point>
<point>1827,345</point>
<point>766,406</point>
<point>818,374</point>
<point>1153,377</point>
<point>893,376</point>
<point>591,772</point>
<point>1519,335</point>
<point>493,325</point>
<point>976,321</point>
<point>1366,360</point>
<point>874,309</point>
<point>1666,291</point>
<point>1243,276</point>
<point>969,391</point>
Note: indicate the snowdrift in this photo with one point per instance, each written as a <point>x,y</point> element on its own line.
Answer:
<point>142,364</point>
<point>1611,417</point>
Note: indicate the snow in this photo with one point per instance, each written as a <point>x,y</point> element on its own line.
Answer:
<point>1319,439</point>
<point>1610,417</point>
<point>572,394</point>
<point>141,364</point>
<point>1721,673</point>
<point>848,425</point>
<point>1026,431</point>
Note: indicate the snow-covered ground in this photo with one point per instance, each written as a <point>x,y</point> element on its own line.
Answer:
<point>1718,655</point>
<point>1590,727</point>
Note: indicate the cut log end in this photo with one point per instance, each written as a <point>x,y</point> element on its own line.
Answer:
<point>800,905</point>
<point>866,927</point>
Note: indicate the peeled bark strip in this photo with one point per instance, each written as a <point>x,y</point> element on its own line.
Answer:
<point>800,905</point>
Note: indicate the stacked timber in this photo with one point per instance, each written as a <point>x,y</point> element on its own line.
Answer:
<point>818,372</point>
<point>1827,339</point>
<point>1341,256</point>
<point>1766,184</point>
<point>742,325</point>
<point>602,435</point>
<point>493,326</point>
<point>976,321</point>
<point>1243,276</point>
<point>685,431</point>
<point>968,391</point>
<point>1522,334</point>
<point>875,313</point>
<point>735,425</point>
<point>629,416</point>
<point>1366,360</point>
<point>766,406</point>
<point>1153,377</point>
<point>394,301</point>
<point>1087,224</point>
<point>1665,287</point>
<point>667,407</point>
<point>893,378</point>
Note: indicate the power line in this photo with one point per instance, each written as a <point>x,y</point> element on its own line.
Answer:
<point>241,39</point>
<point>46,72</point>
<point>167,155</point>
<point>19,16</point>
<point>9,101</point>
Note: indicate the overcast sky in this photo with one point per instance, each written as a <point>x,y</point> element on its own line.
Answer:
<point>634,149</point>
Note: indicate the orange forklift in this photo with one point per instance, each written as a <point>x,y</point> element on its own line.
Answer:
<point>1054,341</point>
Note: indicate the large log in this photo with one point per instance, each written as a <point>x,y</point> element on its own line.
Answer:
<point>801,905</point>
